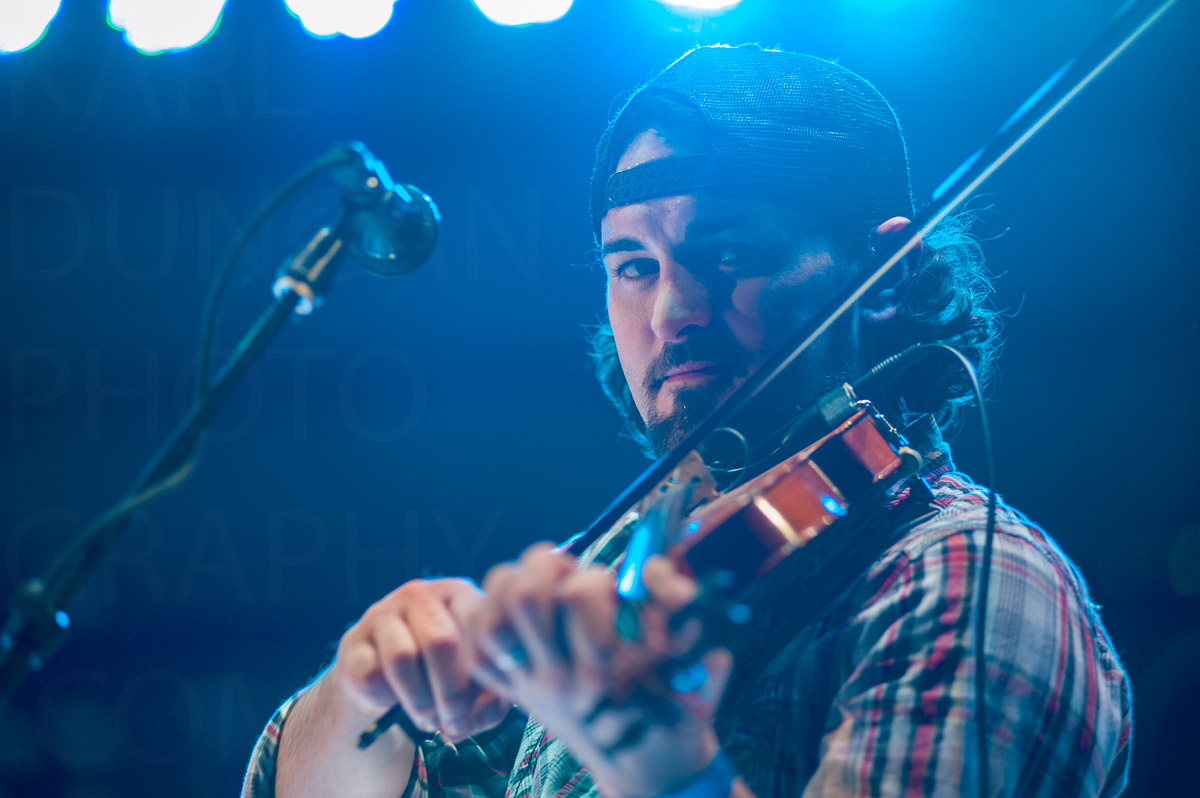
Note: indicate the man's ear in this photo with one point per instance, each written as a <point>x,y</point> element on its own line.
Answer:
<point>880,305</point>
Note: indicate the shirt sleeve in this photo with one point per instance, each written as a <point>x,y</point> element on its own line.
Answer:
<point>1058,702</point>
<point>260,774</point>
<point>474,768</point>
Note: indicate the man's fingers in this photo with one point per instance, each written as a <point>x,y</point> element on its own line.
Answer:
<point>668,587</point>
<point>528,600</point>
<point>589,608</point>
<point>498,576</point>
<point>610,723</point>
<point>499,661</point>
<point>486,625</point>
<point>490,708</point>
<point>409,649</point>
<point>361,675</point>
<point>719,664</point>
<point>446,659</point>
<point>400,663</point>
<point>672,594</point>
<point>486,712</point>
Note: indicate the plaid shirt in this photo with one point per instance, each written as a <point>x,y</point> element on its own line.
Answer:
<point>876,695</point>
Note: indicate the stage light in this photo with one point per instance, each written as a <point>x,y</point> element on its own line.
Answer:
<point>23,23</point>
<point>156,26</point>
<point>357,19</point>
<point>699,8</point>
<point>523,12</point>
<point>878,5</point>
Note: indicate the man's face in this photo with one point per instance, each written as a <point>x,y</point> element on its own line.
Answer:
<point>703,289</point>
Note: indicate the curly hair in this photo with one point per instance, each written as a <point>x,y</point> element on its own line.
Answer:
<point>946,300</point>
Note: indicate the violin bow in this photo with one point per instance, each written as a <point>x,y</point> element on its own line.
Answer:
<point>1129,23</point>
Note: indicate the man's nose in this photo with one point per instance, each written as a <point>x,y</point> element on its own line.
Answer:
<point>682,301</point>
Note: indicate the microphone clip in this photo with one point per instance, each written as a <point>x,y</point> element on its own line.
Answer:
<point>309,274</point>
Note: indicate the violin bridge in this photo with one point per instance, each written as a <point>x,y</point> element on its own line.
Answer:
<point>691,473</point>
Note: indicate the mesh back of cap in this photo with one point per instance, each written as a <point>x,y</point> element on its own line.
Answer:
<point>786,127</point>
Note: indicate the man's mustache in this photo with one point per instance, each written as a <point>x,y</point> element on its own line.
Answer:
<point>721,351</point>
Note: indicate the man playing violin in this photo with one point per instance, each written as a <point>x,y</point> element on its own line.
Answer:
<point>732,195</point>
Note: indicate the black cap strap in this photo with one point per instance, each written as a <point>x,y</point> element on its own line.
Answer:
<point>665,177</point>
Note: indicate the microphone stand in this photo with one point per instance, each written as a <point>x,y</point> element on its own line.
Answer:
<point>37,623</point>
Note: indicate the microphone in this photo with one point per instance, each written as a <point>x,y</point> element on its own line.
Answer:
<point>388,228</point>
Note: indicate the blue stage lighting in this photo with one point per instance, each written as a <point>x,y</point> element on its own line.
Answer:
<point>156,26</point>
<point>22,24</point>
<point>699,8</point>
<point>523,12</point>
<point>878,5</point>
<point>357,19</point>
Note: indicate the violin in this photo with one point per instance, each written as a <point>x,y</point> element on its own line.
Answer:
<point>772,532</point>
<point>780,511</point>
<point>787,529</point>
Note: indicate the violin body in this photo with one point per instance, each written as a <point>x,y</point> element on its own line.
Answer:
<point>749,531</point>
<point>769,554</point>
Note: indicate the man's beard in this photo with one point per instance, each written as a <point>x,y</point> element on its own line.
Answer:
<point>763,421</point>
<point>692,404</point>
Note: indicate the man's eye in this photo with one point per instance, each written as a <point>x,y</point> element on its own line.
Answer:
<point>740,259</point>
<point>635,269</point>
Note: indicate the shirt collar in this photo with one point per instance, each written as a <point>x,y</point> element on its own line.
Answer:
<point>924,435</point>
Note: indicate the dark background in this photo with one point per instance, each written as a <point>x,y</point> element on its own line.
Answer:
<point>442,421</point>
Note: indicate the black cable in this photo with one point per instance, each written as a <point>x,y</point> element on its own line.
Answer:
<point>910,357</point>
<point>216,289</point>
<point>63,572</point>
<point>64,578</point>
<point>37,623</point>
<point>985,569</point>
<point>742,470</point>
<point>894,361</point>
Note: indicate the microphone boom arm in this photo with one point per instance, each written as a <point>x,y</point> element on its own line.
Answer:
<point>37,623</point>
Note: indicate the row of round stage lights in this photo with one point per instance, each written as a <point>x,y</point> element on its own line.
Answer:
<point>157,26</point>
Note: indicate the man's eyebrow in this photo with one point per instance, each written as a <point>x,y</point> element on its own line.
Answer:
<point>729,225</point>
<point>620,245</point>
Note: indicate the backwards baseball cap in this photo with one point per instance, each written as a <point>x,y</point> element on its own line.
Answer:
<point>788,128</point>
